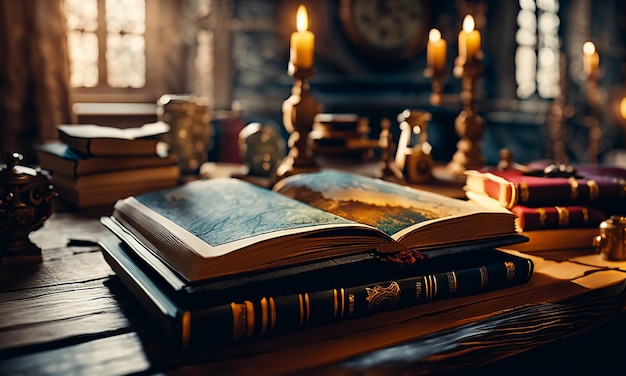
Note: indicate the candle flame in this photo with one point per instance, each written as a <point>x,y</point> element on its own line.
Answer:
<point>302,19</point>
<point>468,23</point>
<point>434,35</point>
<point>622,108</point>
<point>589,48</point>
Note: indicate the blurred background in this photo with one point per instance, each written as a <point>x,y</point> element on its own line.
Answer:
<point>109,61</point>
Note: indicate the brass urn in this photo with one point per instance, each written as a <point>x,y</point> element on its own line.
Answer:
<point>611,243</point>
<point>26,196</point>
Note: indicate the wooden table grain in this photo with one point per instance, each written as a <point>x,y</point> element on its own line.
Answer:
<point>72,315</point>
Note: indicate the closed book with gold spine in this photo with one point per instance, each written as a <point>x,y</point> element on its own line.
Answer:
<point>256,305</point>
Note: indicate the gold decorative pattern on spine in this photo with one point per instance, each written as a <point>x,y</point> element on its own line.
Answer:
<point>585,212</point>
<point>452,284</point>
<point>343,302</point>
<point>185,324</point>
<point>573,196</point>
<point>378,295</point>
<point>524,193</point>
<point>243,319</point>
<point>432,288</point>
<point>264,315</point>
<point>301,302</point>
<point>272,314</point>
<point>419,289</point>
<point>542,216</point>
<point>594,190</point>
<point>484,277</point>
<point>250,317</point>
<point>563,216</point>
<point>307,305</point>
<point>510,271</point>
<point>335,303</point>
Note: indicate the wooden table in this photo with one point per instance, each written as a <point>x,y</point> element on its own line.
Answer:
<point>71,314</point>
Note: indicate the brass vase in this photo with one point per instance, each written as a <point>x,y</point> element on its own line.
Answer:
<point>26,196</point>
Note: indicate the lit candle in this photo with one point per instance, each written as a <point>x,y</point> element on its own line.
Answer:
<point>591,60</point>
<point>469,40</point>
<point>436,52</point>
<point>302,41</point>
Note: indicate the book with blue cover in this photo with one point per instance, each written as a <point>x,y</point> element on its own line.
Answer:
<point>216,228</point>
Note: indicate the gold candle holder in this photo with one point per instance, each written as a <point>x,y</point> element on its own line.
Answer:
<point>468,124</point>
<point>299,112</point>
<point>436,78</point>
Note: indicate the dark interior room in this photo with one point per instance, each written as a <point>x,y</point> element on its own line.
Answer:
<point>135,133</point>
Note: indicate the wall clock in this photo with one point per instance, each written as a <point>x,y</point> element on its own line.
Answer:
<point>386,30</point>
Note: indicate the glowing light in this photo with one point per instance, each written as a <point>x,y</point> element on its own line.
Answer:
<point>302,19</point>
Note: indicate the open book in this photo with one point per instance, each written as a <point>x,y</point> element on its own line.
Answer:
<point>219,227</point>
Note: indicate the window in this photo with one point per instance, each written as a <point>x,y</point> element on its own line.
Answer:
<point>538,45</point>
<point>133,50</point>
<point>106,41</point>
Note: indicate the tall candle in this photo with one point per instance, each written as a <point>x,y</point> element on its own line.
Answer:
<point>591,60</point>
<point>302,41</point>
<point>436,52</point>
<point>469,40</point>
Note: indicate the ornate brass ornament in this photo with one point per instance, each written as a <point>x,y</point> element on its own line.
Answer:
<point>25,203</point>
<point>611,242</point>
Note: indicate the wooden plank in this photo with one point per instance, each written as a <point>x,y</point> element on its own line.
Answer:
<point>57,313</point>
<point>115,355</point>
<point>59,266</point>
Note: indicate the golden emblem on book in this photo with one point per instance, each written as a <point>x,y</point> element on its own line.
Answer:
<point>379,295</point>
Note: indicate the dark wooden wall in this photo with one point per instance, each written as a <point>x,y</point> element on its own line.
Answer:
<point>347,81</point>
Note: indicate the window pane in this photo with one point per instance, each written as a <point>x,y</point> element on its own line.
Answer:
<point>82,15</point>
<point>125,56</point>
<point>126,16</point>
<point>83,53</point>
<point>82,23</point>
<point>126,63</point>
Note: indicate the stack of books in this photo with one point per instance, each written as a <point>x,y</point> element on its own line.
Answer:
<point>222,260</point>
<point>94,165</point>
<point>561,212</point>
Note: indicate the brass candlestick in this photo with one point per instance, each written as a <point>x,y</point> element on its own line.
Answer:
<point>468,124</point>
<point>299,112</point>
<point>436,77</point>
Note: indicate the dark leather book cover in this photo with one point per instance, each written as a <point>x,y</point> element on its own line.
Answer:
<point>273,302</point>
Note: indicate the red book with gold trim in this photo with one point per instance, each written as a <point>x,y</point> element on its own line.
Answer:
<point>554,217</point>
<point>591,186</point>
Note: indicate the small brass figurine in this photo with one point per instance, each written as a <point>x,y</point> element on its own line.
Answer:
<point>414,158</point>
<point>261,148</point>
<point>25,203</point>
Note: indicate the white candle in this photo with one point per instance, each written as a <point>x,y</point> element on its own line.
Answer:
<point>469,40</point>
<point>302,41</point>
<point>591,60</point>
<point>436,52</point>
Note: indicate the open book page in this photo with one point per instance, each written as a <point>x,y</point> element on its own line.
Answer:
<point>214,217</point>
<point>102,131</point>
<point>397,210</point>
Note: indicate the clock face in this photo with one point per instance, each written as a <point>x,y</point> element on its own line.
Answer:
<point>385,29</point>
